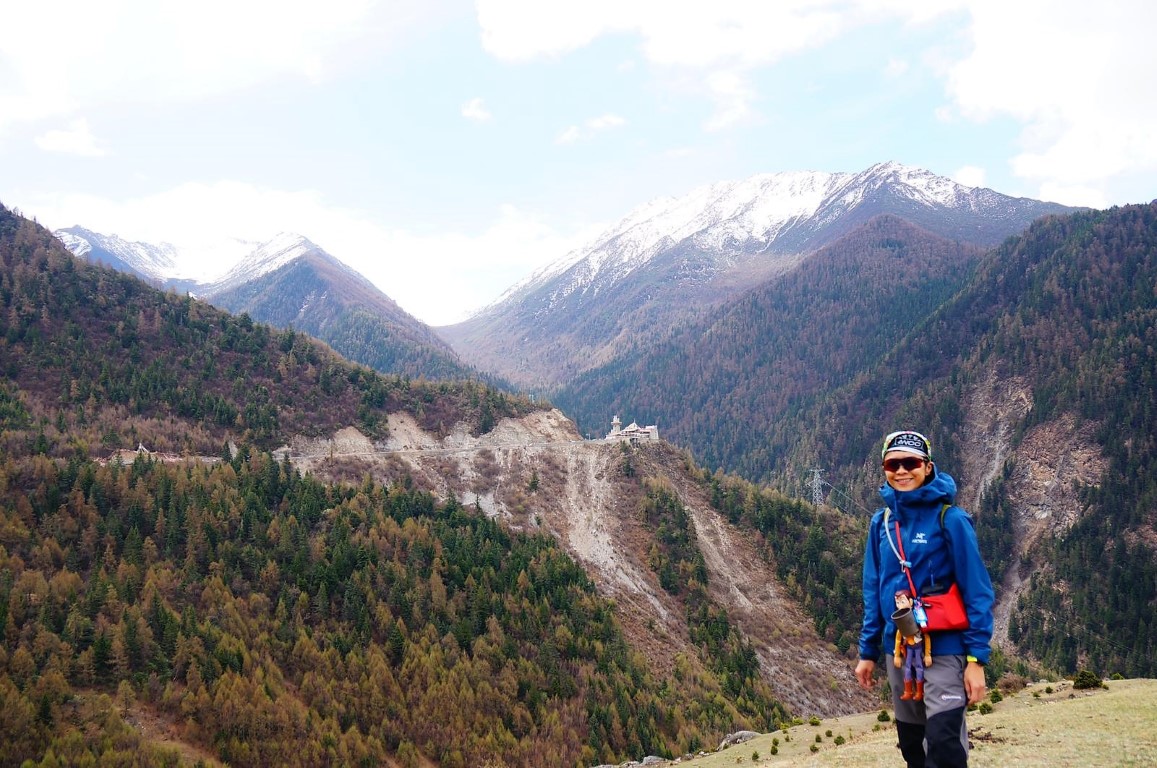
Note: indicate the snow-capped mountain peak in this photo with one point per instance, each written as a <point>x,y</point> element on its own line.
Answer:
<point>728,223</point>
<point>154,262</point>
<point>266,258</point>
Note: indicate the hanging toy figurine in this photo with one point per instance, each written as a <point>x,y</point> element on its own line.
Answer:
<point>913,641</point>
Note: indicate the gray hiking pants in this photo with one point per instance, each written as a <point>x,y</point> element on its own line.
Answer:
<point>934,726</point>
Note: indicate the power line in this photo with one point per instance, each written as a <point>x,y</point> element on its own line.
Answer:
<point>817,486</point>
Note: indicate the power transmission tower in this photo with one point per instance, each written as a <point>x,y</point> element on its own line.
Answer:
<point>817,486</point>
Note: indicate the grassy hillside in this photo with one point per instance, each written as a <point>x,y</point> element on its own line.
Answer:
<point>1043,725</point>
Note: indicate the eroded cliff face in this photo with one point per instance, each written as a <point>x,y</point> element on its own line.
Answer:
<point>1050,463</point>
<point>538,474</point>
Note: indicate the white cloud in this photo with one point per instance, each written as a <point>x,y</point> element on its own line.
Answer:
<point>1073,75</point>
<point>438,278</point>
<point>569,136</point>
<point>589,128</point>
<point>519,30</point>
<point>76,140</point>
<point>970,176</point>
<point>141,50</point>
<point>733,97</point>
<point>682,33</point>
<point>896,67</point>
<point>719,41</point>
<point>476,110</point>
<point>603,122</point>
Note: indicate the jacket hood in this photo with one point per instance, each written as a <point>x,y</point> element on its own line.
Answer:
<point>941,489</point>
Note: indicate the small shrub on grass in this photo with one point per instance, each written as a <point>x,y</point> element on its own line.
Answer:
<point>755,756</point>
<point>1011,683</point>
<point>1086,679</point>
<point>839,740</point>
<point>814,748</point>
<point>813,720</point>
<point>985,707</point>
<point>819,739</point>
<point>883,716</point>
<point>995,696</point>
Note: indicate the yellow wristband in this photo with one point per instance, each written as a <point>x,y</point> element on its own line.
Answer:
<point>973,660</point>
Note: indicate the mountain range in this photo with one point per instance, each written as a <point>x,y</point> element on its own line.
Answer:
<point>290,282</point>
<point>1028,359</point>
<point>669,261</point>
<point>665,264</point>
<point>152,263</point>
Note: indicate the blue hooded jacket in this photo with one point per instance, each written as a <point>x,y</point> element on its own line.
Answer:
<point>938,556</point>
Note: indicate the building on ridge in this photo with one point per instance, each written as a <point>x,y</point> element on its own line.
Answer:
<point>632,433</point>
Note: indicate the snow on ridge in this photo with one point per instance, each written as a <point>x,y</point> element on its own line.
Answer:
<point>725,217</point>
<point>923,185</point>
<point>750,208</point>
<point>78,246</point>
<point>268,257</point>
<point>155,261</point>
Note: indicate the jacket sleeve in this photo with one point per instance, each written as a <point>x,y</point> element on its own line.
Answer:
<point>975,584</point>
<point>872,629</point>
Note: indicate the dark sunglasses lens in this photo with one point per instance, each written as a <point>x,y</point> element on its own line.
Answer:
<point>909,463</point>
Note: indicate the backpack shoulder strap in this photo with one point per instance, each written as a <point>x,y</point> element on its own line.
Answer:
<point>943,512</point>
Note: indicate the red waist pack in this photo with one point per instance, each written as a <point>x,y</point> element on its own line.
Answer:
<point>945,611</point>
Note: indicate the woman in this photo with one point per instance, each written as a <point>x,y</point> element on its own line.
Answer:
<point>919,527</point>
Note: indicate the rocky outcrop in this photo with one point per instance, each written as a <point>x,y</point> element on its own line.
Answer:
<point>1050,463</point>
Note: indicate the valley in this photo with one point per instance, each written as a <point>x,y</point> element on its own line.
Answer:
<point>364,556</point>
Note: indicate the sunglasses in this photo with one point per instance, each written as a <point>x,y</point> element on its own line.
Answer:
<point>908,462</point>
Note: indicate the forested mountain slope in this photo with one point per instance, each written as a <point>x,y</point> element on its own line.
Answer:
<point>721,386</point>
<point>290,282</point>
<point>317,294</point>
<point>262,616</point>
<point>1036,384</point>
<point>1033,369</point>
<point>671,260</point>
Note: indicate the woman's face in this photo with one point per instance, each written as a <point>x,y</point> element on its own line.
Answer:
<point>906,472</point>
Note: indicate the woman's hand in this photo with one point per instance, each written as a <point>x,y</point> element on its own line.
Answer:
<point>974,683</point>
<point>864,672</point>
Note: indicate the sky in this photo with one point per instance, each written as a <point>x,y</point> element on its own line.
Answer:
<point>447,149</point>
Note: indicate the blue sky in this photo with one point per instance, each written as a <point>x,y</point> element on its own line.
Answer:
<point>446,149</point>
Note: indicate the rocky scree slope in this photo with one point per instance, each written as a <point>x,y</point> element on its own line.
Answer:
<point>584,500</point>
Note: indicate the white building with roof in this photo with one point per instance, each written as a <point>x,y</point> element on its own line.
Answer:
<point>632,433</point>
